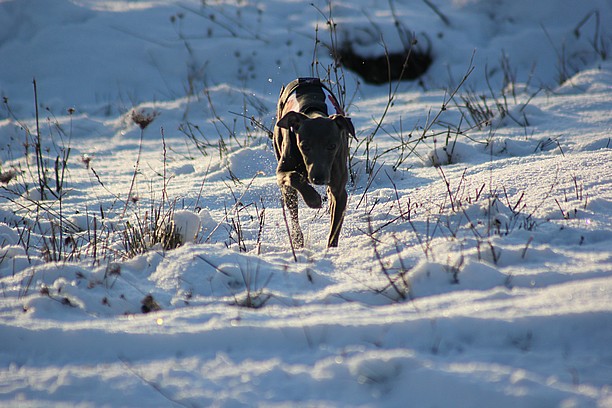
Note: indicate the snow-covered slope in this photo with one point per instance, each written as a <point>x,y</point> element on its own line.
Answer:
<point>475,264</point>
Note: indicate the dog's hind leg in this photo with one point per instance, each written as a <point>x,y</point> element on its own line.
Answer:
<point>290,199</point>
<point>337,204</point>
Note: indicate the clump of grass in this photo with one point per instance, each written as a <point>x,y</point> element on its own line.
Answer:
<point>482,109</point>
<point>155,229</point>
<point>435,127</point>
<point>569,63</point>
<point>255,295</point>
<point>570,205</point>
<point>397,283</point>
<point>149,304</point>
<point>48,233</point>
<point>7,175</point>
<point>44,177</point>
<point>64,300</point>
<point>43,186</point>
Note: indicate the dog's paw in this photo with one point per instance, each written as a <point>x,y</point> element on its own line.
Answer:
<point>311,197</point>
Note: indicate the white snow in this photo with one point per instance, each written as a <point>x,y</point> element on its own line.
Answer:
<point>474,266</point>
<point>187,224</point>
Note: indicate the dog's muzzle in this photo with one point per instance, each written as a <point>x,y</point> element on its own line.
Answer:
<point>318,176</point>
<point>318,180</point>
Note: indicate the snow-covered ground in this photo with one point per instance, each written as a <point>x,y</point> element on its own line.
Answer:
<point>475,264</point>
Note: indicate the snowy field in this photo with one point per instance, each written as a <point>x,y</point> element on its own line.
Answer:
<point>145,260</point>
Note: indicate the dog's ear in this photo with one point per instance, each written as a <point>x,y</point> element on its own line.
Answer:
<point>291,120</point>
<point>344,123</point>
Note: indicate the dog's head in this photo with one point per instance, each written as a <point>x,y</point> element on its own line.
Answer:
<point>319,140</point>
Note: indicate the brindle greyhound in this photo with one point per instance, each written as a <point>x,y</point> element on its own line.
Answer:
<point>311,144</point>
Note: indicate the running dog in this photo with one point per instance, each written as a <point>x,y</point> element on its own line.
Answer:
<point>311,144</point>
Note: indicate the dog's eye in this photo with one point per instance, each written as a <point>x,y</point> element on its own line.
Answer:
<point>304,147</point>
<point>331,147</point>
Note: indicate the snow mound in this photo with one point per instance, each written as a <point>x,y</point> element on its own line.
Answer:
<point>474,264</point>
<point>187,224</point>
<point>430,278</point>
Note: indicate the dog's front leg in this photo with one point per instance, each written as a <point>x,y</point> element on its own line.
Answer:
<point>297,181</point>
<point>291,202</point>
<point>337,205</point>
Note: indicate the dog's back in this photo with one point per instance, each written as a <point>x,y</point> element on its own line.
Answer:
<point>307,95</point>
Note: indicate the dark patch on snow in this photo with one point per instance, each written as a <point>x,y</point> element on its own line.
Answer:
<point>380,69</point>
